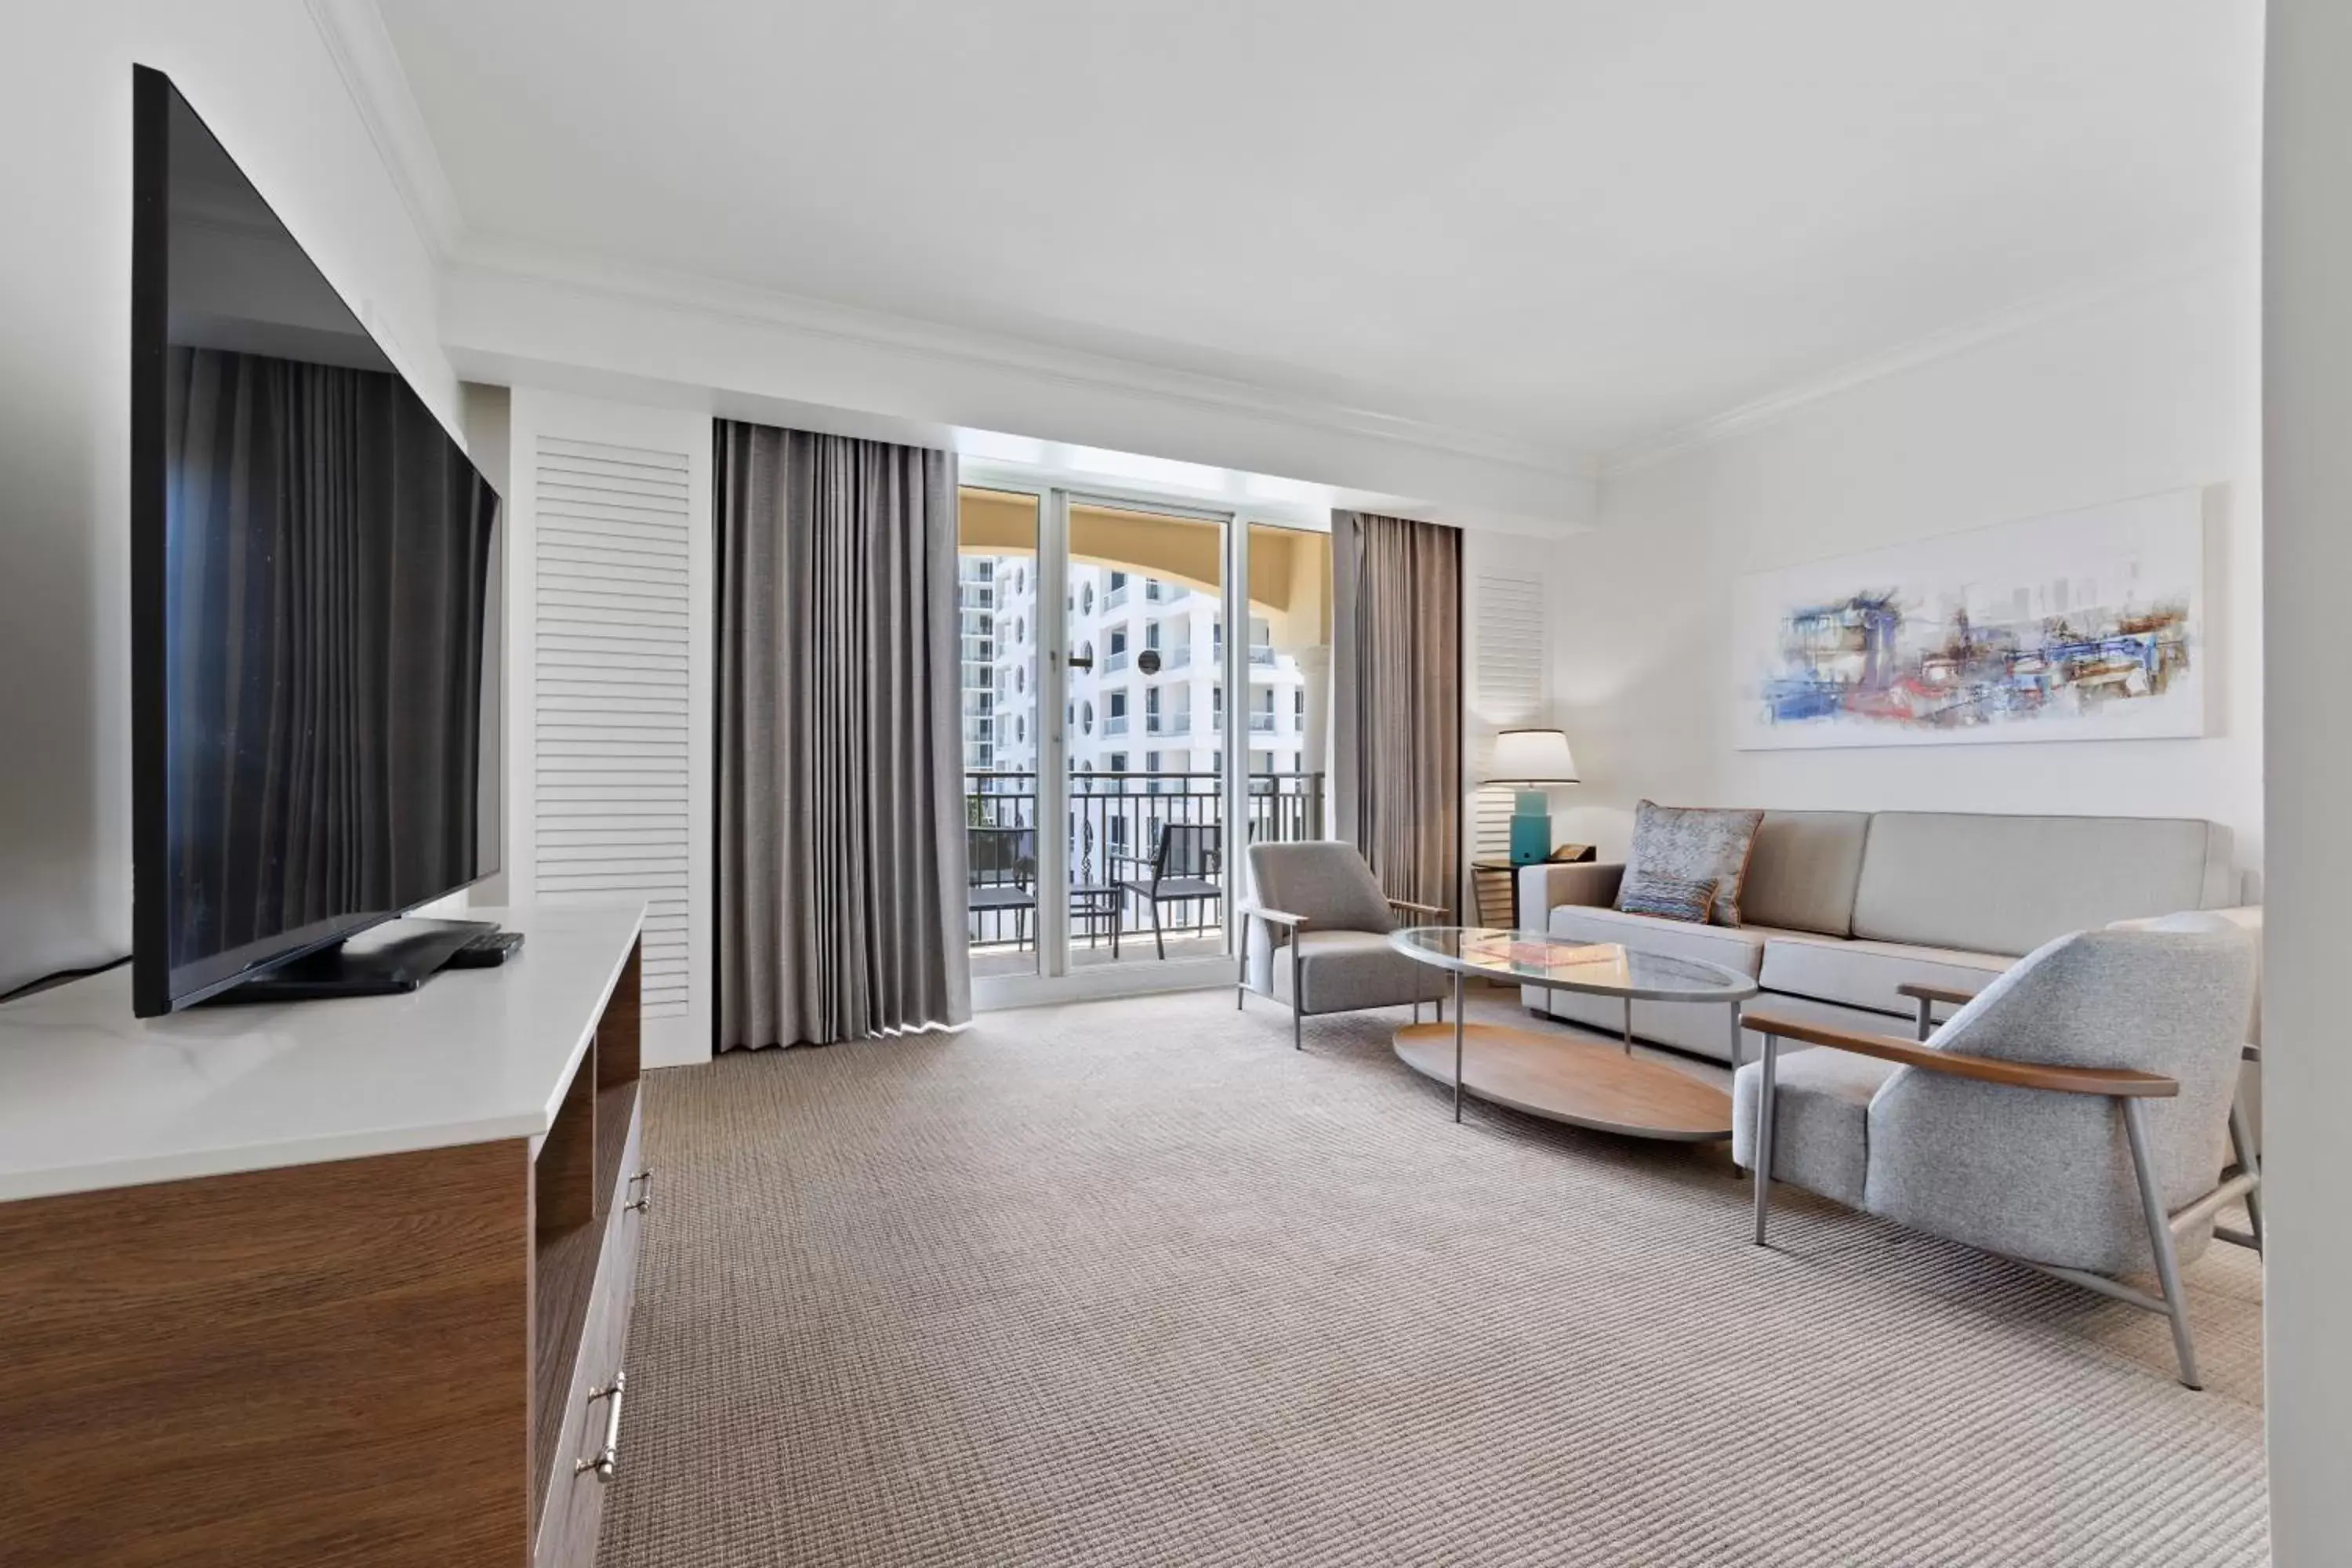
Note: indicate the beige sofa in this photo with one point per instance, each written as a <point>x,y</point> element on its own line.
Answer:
<point>1845,906</point>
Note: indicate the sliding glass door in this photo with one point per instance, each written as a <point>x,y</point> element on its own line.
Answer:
<point>1103,635</point>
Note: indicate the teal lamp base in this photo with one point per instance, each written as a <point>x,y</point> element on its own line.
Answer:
<point>1530,827</point>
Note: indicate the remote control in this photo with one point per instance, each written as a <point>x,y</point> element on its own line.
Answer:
<point>486,950</point>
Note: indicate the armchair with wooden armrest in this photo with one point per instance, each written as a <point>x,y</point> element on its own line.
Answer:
<point>1998,1130</point>
<point>1316,936</point>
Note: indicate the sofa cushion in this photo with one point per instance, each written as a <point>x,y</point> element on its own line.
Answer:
<point>1821,1120</point>
<point>1865,974</point>
<point>1697,845</point>
<point>2007,884</point>
<point>1667,897</point>
<point>1344,970</point>
<point>1737,949</point>
<point>1804,873</point>
<point>1702,1028</point>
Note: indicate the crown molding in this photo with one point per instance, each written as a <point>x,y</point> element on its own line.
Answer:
<point>357,41</point>
<point>604,278</point>
<point>1949,343</point>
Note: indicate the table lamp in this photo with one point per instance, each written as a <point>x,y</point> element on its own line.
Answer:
<point>1532,760</point>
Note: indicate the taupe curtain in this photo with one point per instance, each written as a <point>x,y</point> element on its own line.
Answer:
<point>1397,700</point>
<point>841,839</point>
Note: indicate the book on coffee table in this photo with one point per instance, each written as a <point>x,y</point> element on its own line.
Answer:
<point>1544,955</point>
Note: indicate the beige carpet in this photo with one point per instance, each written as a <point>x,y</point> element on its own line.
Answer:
<point>1134,1283</point>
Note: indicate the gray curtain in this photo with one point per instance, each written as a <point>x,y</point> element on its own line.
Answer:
<point>1397,700</point>
<point>841,840</point>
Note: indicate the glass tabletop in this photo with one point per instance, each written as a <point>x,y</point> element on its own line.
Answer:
<point>1532,958</point>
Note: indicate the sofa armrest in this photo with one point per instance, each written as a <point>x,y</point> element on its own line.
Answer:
<point>1547,885</point>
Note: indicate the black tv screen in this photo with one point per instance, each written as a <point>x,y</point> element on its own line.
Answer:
<point>313,562</point>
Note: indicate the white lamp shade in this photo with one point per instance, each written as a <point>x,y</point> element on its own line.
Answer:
<point>1531,757</point>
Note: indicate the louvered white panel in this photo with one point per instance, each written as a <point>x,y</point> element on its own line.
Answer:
<point>1508,613</point>
<point>611,664</point>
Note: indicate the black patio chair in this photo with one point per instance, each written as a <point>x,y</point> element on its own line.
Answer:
<point>1185,866</point>
<point>1002,875</point>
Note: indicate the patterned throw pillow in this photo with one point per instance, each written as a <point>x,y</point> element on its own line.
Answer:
<point>1668,898</point>
<point>1694,846</point>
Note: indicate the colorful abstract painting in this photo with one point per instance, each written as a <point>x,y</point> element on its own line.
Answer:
<point>2086,625</point>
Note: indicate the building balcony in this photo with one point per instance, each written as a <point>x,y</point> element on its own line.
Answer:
<point>1116,822</point>
<point>1258,655</point>
<point>1177,657</point>
<point>1262,723</point>
<point>1116,724</point>
<point>1115,598</point>
<point>1115,662</point>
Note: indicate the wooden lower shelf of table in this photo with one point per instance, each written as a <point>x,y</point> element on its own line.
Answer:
<point>1580,1079</point>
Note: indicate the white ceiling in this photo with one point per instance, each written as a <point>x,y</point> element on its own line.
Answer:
<point>1582,222</point>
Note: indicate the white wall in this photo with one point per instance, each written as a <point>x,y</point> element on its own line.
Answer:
<point>259,73</point>
<point>2307,352</point>
<point>2155,389</point>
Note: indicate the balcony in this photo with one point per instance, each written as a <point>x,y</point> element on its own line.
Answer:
<point>1168,724</point>
<point>1260,655</point>
<point>1262,723</point>
<point>1177,657</point>
<point>1115,819</point>
<point>1115,725</point>
<point>1115,662</point>
<point>1115,599</point>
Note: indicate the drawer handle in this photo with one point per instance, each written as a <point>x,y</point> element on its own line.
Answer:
<point>644,1201</point>
<point>608,1459</point>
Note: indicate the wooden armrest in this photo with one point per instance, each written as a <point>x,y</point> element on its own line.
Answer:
<point>1920,992</point>
<point>1273,917</point>
<point>2125,1082</point>
<point>1416,908</point>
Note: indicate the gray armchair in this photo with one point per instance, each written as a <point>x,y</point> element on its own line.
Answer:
<point>1317,936</point>
<point>2073,1115</point>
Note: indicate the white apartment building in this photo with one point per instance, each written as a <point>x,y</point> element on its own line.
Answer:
<point>1147,683</point>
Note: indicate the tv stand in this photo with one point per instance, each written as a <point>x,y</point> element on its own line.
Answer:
<point>302,1286</point>
<point>410,952</point>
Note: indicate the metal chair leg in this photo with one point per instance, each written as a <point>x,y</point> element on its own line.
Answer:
<point>2241,1138</point>
<point>1297,996</point>
<point>1764,1118</point>
<point>1927,1018</point>
<point>2160,1240</point>
<point>1157,939</point>
<point>1241,966</point>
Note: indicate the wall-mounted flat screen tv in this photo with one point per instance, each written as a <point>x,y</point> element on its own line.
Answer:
<point>314,595</point>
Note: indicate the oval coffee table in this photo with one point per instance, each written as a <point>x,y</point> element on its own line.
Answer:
<point>1581,1080</point>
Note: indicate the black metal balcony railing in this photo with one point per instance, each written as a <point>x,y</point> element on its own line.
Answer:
<point>1113,816</point>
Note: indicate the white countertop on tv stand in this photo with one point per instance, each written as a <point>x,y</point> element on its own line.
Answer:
<point>92,1098</point>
